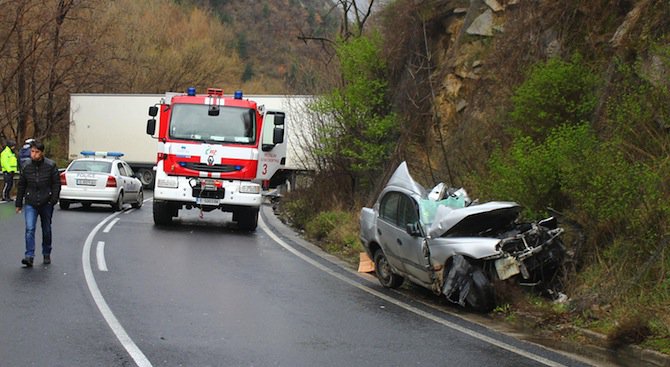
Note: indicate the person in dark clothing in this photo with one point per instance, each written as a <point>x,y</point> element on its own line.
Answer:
<point>39,187</point>
<point>24,153</point>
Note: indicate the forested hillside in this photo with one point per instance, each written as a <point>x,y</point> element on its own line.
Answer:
<point>49,49</point>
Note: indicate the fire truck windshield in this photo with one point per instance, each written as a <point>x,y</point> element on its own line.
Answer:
<point>232,124</point>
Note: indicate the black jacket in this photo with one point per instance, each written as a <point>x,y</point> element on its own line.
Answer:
<point>39,184</point>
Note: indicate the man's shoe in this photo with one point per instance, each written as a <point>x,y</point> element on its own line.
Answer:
<point>47,259</point>
<point>27,261</point>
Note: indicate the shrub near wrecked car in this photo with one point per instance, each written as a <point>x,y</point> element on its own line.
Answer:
<point>444,242</point>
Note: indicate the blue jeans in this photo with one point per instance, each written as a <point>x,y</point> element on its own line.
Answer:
<point>30,213</point>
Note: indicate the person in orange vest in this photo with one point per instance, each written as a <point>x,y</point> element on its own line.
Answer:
<point>9,168</point>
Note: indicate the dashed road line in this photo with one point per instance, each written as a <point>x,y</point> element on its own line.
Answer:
<point>100,256</point>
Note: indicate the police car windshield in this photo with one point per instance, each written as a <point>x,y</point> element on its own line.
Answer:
<point>231,125</point>
<point>91,166</point>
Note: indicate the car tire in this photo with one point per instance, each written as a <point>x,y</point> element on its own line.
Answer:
<point>481,297</point>
<point>118,205</point>
<point>384,273</point>
<point>64,205</point>
<point>140,200</point>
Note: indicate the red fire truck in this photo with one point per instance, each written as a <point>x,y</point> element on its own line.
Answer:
<point>214,152</point>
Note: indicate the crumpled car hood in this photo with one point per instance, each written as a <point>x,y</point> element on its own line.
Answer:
<point>473,219</point>
<point>454,220</point>
<point>402,178</point>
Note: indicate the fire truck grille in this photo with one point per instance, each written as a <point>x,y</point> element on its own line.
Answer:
<point>210,194</point>
<point>213,168</point>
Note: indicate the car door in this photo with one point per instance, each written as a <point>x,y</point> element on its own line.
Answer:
<point>134,183</point>
<point>410,246</point>
<point>387,228</point>
<point>126,182</point>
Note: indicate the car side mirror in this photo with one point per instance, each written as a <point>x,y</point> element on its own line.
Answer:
<point>413,229</point>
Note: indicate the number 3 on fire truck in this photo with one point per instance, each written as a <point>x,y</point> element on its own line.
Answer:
<point>265,168</point>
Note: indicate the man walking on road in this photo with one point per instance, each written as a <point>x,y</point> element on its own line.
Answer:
<point>9,168</point>
<point>39,185</point>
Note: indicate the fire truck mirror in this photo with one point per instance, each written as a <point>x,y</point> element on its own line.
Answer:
<point>279,118</point>
<point>278,136</point>
<point>151,126</point>
<point>153,111</point>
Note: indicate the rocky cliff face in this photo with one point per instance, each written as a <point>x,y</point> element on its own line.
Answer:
<point>480,50</point>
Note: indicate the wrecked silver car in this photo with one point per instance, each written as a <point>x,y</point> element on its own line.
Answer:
<point>444,242</point>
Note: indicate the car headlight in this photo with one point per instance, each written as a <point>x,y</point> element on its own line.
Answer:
<point>250,189</point>
<point>169,182</point>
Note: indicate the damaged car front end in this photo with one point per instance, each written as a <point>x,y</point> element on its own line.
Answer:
<point>444,242</point>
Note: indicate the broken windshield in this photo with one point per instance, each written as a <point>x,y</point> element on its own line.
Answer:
<point>232,124</point>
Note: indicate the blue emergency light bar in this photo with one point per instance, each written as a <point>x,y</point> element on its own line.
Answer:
<point>238,94</point>
<point>90,153</point>
<point>191,91</point>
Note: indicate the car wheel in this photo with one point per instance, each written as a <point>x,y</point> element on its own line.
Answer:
<point>385,274</point>
<point>65,205</point>
<point>140,200</point>
<point>118,205</point>
<point>481,296</point>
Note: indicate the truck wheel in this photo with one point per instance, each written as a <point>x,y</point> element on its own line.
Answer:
<point>247,219</point>
<point>162,214</point>
<point>146,176</point>
<point>65,205</point>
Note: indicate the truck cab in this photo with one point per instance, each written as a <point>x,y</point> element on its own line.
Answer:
<point>214,152</point>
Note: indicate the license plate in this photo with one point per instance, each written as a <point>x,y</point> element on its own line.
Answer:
<point>207,201</point>
<point>507,267</point>
<point>85,182</point>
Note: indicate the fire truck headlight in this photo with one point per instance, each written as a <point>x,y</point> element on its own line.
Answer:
<point>169,182</point>
<point>250,189</point>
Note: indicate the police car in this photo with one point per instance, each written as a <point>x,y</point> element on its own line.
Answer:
<point>100,178</point>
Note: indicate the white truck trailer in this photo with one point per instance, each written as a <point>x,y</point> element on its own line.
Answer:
<point>117,122</point>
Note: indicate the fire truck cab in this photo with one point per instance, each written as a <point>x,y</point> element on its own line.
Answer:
<point>214,152</point>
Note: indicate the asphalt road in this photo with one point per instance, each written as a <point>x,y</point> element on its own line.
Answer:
<point>122,292</point>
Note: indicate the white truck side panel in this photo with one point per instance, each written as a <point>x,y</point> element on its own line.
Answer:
<point>296,114</point>
<point>112,122</point>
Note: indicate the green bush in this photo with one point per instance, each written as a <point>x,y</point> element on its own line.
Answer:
<point>570,169</point>
<point>324,223</point>
<point>556,92</point>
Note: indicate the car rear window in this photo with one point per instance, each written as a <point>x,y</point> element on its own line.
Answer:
<point>90,166</point>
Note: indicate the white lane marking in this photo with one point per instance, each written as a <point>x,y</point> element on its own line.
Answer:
<point>110,225</point>
<point>128,211</point>
<point>100,255</point>
<point>127,343</point>
<point>407,307</point>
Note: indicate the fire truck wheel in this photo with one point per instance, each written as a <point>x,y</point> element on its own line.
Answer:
<point>247,219</point>
<point>162,214</point>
